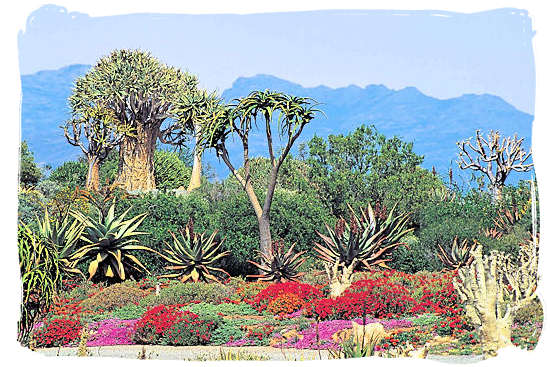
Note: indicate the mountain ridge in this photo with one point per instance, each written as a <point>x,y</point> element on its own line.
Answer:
<point>433,124</point>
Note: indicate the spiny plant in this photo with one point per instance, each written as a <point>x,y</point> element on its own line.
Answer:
<point>194,255</point>
<point>64,235</point>
<point>459,254</point>
<point>40,276</point>
<point>365,240</point>
<point>109,240</point>
<point>278,265</point>
<point>506,220</point>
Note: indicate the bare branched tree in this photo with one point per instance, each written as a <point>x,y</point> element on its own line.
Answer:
<point>494,156</point>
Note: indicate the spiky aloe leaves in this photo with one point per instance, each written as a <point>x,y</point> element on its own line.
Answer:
<point>194,255</point>
<point>459,255</point>
<point>278,265</point>
<point>367,238</point>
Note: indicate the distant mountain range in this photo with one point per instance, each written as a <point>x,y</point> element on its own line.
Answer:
<point>434,125</point>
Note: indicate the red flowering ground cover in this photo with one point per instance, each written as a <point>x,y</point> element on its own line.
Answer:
<point>189,330</point>
<point>154,322</point>
<point>168,325</point>
<point>390,293</point>
<point>303,291</point>
<point>57,332</point>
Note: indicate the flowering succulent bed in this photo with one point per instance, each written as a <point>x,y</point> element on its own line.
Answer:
<point>111,332</point>
<point>414,309</point>
<point>389,294</point>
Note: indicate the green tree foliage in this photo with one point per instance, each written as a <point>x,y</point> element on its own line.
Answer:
<point>170,171</point>
<point>366,166</point>
<point>29,172</point>
<point>71,173</point>
<point>141,92</point>
<point>293,176</point>
<point>166,213</point>
<point>296,216</point>
<point>465,216</point>
<point>259,110</point>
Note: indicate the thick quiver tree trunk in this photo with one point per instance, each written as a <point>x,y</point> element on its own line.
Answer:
<point>136,164</point>
<point>493,288</point>
<point>92,179</point>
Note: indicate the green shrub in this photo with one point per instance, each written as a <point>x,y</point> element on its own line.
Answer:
<point>29,172</point>
<point>210,310</point>
<point>114,296</point>
<point>170,171</point>
<point>426,319</point>
<point>228,330</point>
<point>294,218</point>
<point>129,312</point>
<point>532,312</point>
<point>232,216</point>
<point>71,174</point>
<point>166,212</point>
<point>414,257</point>
<point>441,220</point>
<point>180,293</point>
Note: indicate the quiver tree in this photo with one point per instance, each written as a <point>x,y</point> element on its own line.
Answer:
<point>141,92</point>
<point>192,111</point>
<point>495,157</point>
<point>493,288</point>
<point>96,131</point>
<point>292,115</point>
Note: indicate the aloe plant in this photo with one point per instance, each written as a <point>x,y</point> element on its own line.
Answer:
<point>108,241</point>
<point>364,240</point>
<point>64,235</point>
<point>194,256</point>
<point>40,276</point>
<point>278,265</point>
<point>459,254</point>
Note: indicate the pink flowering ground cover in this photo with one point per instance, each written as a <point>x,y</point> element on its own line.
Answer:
<point>328,328</point>
<point>111,332</point>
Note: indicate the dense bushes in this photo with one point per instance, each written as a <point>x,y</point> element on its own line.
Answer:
<point>170,171</point>
<point>232,216</point>
<point>294,218</point>
<point>29,172</point>
<point>179,293</point>
<point>112,297</point>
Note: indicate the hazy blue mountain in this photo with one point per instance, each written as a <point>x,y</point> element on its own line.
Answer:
<point>434,125</point>
<point>44,108</point>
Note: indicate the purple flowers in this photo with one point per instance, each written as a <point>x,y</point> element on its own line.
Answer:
<point>111,332</point>
<point>239,343</point>
<point>328,328</point>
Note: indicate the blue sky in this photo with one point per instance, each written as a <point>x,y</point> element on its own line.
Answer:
<point>443,54</point>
